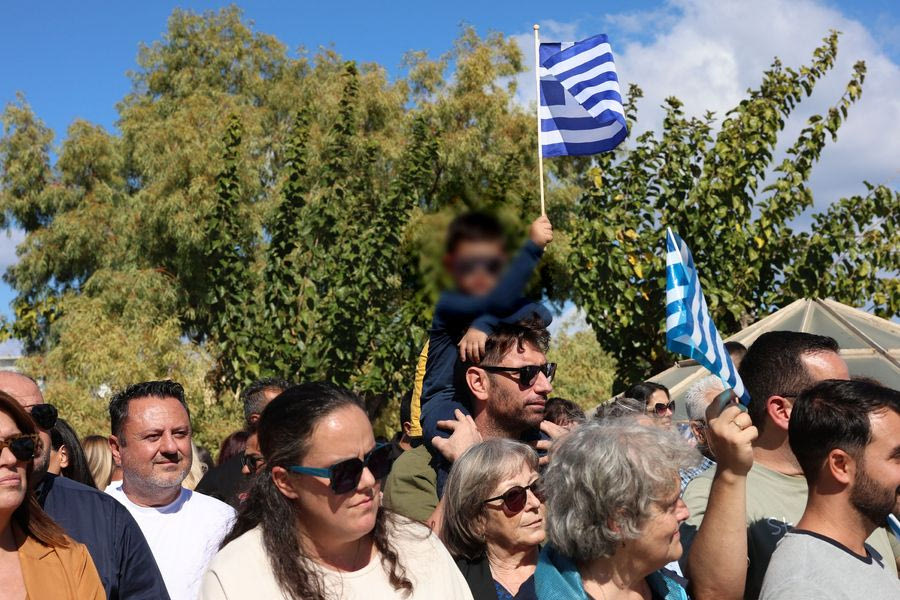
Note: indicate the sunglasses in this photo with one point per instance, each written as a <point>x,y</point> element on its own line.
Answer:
<point>660,409</point>
<point>251,461</point>
<point>346,474</point>
<point>45,415</point>
<point>467,266</point>
<point>527,375</point>
<point>23,446</point>
<point>516,497</point>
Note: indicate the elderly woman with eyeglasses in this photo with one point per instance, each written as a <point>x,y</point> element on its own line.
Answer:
<point>37,560</point>
<point>614,509</point>
<point>493,521</point>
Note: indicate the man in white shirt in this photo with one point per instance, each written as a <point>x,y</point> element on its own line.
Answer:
<point>151,439</point>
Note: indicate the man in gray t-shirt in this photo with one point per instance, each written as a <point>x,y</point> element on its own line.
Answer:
<point>846,437</point>
<point>809,566</point>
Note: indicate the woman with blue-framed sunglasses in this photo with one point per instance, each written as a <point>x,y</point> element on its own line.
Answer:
<point>312,526</point>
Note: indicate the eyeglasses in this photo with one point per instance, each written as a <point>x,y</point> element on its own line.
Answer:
<point>251,461</point>
<point>467,266</point>
<point>659,409</point>
<point>346,474</point>
<point>515,498</point>
<point>23,446</point>
<point>527,375</point>
<point>45,415</point>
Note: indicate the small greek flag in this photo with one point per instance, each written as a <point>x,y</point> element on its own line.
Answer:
<point>581,107</point>
<point>689,330</point>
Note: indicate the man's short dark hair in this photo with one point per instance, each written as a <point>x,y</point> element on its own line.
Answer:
<point>774,366</point>
<point>835,414</point>
<point>737,351</point>
<point>506,336</point>
<point>118,405</point>
<point>254,395</point>
<point>473,227</point>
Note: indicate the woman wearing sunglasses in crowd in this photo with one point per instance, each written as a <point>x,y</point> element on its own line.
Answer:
<point>656,398</point>
<point>312,527</point>
<point>37,560</point>
<point>493,520</point>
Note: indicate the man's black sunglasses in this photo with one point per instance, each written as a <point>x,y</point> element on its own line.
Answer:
<point>526,375</point>
<point>45,415</point>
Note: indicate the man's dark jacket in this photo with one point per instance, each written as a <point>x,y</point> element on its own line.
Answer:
<point>112,536</point>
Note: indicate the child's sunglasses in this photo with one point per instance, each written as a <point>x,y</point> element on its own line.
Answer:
<point>516,497</point>
<point>345,475</point>
<point>467,266</point>
<point>23,446</point>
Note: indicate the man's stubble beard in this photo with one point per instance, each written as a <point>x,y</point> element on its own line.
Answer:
<point>872,500</point>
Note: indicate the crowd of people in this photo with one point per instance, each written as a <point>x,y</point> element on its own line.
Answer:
<point>493,489</point>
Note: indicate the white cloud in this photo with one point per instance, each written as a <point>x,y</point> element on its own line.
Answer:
<point>708,53</point>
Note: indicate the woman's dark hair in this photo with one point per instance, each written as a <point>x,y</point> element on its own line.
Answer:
<point>285,429</point>
<point>233,445</point>
<point>78,470</point>
<point>30,517</point>
<point>642,391</point>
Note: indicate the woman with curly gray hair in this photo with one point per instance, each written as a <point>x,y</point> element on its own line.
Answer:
<point>614,507</point>
<point>494,519</point>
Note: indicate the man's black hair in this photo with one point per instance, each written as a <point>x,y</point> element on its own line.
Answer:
<point>835,414</point>
<point>737,351</point>
<point>509,335</point>
<point>774,366</point>
<point>473,227</point>
<point>118,405</point>
<point>254,395</point>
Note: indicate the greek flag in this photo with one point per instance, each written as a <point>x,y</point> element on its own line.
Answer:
<point>581,107</point>
<point>689,330</point>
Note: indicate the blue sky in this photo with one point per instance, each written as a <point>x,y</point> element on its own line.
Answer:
<point>70,59</point>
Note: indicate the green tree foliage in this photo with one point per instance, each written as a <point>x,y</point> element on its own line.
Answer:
<point>586,371</point>
<point>261,213</point>
<point>705,186</point>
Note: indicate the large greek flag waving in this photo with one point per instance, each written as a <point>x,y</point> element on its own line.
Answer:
<point>581,107</point>
<point>689,330</point>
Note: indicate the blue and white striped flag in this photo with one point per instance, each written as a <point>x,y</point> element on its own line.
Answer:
<point>581,108</point>
<point>689,329</point>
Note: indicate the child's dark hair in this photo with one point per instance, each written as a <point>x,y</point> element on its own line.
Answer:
<point>474,227</point>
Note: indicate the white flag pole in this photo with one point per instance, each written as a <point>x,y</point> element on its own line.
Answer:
<point>537,87</point>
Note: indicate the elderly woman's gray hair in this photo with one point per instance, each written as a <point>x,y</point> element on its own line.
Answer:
<point>696,399</point>
<point>473,479</point>
<point>620,407</point>
<point>609,472</point>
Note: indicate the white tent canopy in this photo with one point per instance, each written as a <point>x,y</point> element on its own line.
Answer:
<point>869,344</point>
